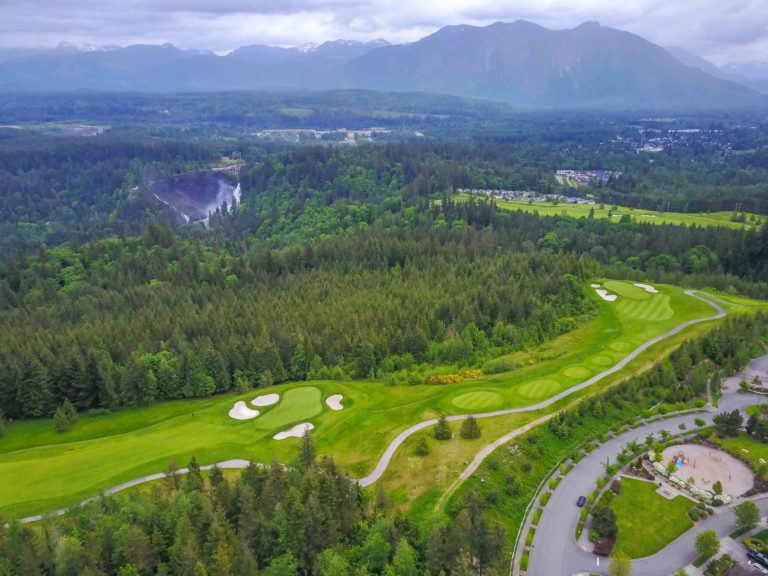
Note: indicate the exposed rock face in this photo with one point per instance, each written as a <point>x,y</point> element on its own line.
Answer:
<point>194,195</point>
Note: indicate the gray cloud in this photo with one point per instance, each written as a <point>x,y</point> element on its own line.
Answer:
<point>722,30</point>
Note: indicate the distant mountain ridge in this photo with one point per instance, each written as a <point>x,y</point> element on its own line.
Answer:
<point>519,63</point>
<point>752,74</point>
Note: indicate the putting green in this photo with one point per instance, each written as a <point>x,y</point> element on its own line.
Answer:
<point>578,372</point>
<point>626,290</point>
<point>479,400</point>
<point>539,389</point>
<point>297,404</point>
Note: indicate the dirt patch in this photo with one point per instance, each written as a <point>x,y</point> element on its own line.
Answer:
<point>707,465</point>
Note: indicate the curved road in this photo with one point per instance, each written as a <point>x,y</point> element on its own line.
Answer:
<point>555,550</point>
<point>386,457</point>
<point>232,464</point>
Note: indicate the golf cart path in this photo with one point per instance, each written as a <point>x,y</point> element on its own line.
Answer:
<point>386,457</point>
<point>227,464</point>
<point>559,553</point>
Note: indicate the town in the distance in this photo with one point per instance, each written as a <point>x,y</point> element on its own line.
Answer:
<point>486,298</point>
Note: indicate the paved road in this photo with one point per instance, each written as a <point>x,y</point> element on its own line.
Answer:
<point>385,459</point>
<point>555,549</point>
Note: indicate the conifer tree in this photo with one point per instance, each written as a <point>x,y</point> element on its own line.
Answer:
<point>469,429</point>
<point>307,452</point>
<point>60,420</point>
<point>442,429</point>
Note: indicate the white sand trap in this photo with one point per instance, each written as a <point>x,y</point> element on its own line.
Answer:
<point>241,412</point>
<point>296,432</point>
<point>605,296</point>
<point>595,285</point>
<point>647,288</point>
<point>334,402</point>
<point>266,400</point>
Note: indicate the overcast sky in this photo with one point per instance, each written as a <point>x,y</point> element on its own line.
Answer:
<point>721,30</point>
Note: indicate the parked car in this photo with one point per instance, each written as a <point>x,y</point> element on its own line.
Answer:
<point>580,501</point>
<point>758,557</point>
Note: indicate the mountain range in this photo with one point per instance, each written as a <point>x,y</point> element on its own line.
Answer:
<point>519,63</point>
<point>751,74</point>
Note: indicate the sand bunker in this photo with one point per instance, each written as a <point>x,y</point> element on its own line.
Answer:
<point>647,288</point>
<point>266,400</point>
<point>595,285</point>
<point>605,296</point>
<point>296,432</point>
<point>241,412</point>
<point>334,402</point>
<point>707,465</point>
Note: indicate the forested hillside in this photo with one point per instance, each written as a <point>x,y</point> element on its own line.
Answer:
<point>59,188</point>
<point>275,521</point>
<point>56,190</point>
<point>339,262</point>
<point>131,322</point>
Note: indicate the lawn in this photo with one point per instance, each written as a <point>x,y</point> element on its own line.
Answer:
<point>755,450</point>
<point>641,215</point>
<point>41,469</point>
<point>648,522</point>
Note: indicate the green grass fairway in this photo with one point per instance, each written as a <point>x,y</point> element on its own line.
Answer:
<point>722,219</point>
<point>602,361</point>
<point>652,310</point>
<point>636,303</point>
<point>577,372</point>
<point>627,290</point>
<point>480,400</point>
<point>620,346</point>
<point>42,470</point>
<point>648,522</point>
<point>539,389</point>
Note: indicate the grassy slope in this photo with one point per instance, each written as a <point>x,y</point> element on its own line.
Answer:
<point>648,522</point>
<point>641,215</point>
<point>756,450</point>
<point>100,452</point>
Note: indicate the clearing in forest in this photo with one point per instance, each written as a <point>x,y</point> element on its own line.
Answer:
<point>41,469</point>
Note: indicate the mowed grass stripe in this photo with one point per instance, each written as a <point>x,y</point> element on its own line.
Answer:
<point>479,400</point>
<point>626,290</point>
<point>652,310</point>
